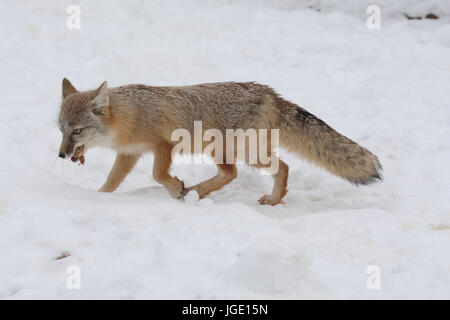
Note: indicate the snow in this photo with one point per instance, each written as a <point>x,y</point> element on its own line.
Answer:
<point>387,89</point>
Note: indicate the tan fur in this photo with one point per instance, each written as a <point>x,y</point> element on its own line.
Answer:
<point>122,166</point>
<point>135,119</point>
<point>226,174</point>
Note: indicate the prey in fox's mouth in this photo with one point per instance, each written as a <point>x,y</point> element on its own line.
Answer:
<point>79,155</point>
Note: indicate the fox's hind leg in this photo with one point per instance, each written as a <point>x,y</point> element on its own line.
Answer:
<point>161,174</point>
<point>280,183</point>
<point>226,173</point>
<point>122,166</point>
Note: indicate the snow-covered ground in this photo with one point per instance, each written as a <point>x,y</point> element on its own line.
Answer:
<point>388,89</point>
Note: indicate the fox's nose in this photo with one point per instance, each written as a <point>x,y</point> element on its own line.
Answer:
<point>62,155</point>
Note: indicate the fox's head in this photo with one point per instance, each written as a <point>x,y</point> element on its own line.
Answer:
<point>81,118</point>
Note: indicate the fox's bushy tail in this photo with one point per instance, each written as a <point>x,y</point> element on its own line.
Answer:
<point>311,138</point>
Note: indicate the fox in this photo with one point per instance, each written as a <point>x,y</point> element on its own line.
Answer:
<point>136,119</point>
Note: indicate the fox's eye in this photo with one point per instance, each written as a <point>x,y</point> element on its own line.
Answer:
<point>77,131</point>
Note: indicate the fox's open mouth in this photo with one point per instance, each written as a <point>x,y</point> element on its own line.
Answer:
<point>78,155</point>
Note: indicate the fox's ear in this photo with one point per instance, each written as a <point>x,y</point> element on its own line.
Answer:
<point>67,88</point>
<point>100,98</point>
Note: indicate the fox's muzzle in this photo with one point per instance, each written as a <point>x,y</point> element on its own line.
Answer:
<point>66,147</point>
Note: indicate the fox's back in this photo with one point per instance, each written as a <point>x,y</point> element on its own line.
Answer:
<point>225,105</point>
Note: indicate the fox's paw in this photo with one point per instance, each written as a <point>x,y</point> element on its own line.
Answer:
<point>179,191</point>
<point>105,189</point>
<point>267,199</point>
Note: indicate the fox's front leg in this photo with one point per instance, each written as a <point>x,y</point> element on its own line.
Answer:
<point>161,166</point>
<point>122,166</point>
